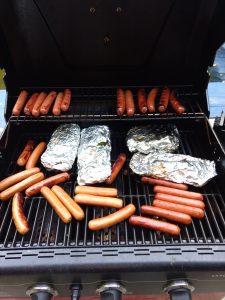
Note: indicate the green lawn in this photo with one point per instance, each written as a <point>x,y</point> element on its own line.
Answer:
<point>2,86</point>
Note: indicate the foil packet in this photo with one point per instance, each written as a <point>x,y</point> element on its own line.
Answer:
<point>153,138</point>
<point>62,148</point>
<point>174,167</point>
<point>94,155</point>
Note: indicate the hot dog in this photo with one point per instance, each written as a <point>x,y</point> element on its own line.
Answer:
<point>97,191</point>
<point>130,108</point>
<point>30,104</point>
<point>151,99</point>
<point>154,181</point>
<point>142,103</point>
<point>13,179</point>
<point>37,105</point>
<point>49,182</point>
<point>56,204</point>
<point>47,103</point>
<point>175,103</point>
<point>167,214</point>
<point>57,105</point>
<point>23,158</point>
<point>75,210</point>
<point>189,210</point>
<point>112,219</point>
<point>155,225</point>
<point>31,163</point>
<point>20,103</point>
<point>121,102</point>
<point>19,218</point>
<point>176,192</point>
<point>180,200</point>
<point>66,100</point>
<point>164,100</point>
<point>98,200</point>
<point>116,168</point>
<point>21,186</point>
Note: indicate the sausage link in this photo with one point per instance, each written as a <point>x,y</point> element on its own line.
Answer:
<point>75,210</point>
<point>164,100</point>
<point>37,105</point>
<point>97,191</point>
<point>121,102</point>
<point>20,103</point>
<point>56,204</point>
<point>49,182</point>
<point>176,192</point>
<point>161,182</point>
<point>130,108</point>
<point>151,99</point>
<point>19,218</point>
<point>47,103</point>
<point>23,158</point>
<point>66,100</point>
<point>176,105</point>
<point>98,200</point>
<point>155,225</point>
<point>35,155</point>
<point>57,105</point>
<point>180,200</point>
<point>112,219</point>
<point>142,102</point>
<point>30,104</point>
<point>116,168</point>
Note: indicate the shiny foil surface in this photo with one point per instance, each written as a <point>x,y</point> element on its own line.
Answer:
<point>174,167</point>
<point>62,148</point>
<point>94,155</point>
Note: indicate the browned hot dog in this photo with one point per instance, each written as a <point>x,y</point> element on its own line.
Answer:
<point>57,105</point>
<point>66,100</point>
<point>189,210</point>
<point>75,210</point>
<point>37,105</point>
<point>151,99</point>
<point>112,219</point>
<point>180,200</point>
<point>31,163</point>
<point>19,218</point>
<point>45,106</point>
<point>98,200</point>
<point>21,186</point>
<point>20,103</point>
<point>130,108</point>
<point>176,192</point>
<point>56,204</point>
<point>167,214</point>
<point>142,103</point>
<point>97,191</point>
<point>13,179</point>
<point>30,104</point>
<point>23,158</point>
<point>175,103</point>
<point>154,181</point>
<point>49,182</point>
<point>164,99</point>
<point>155,225</point>
<point>116,168</point>
<point>121,102</point>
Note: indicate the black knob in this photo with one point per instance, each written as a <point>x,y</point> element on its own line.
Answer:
<point>75,292</point>
<point>180,294</point>
<point>41,292</point>
<point>111,291</point>
<point>179,290</point>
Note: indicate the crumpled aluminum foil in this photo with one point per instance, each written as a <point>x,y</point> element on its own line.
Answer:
<point>174,167</point>
<point>62,148</point>
<point>94,155</point>
<point>153,138</point>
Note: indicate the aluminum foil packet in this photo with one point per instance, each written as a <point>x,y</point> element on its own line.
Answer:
<point>174,167</point>
<point>153,138</point>
<point>94,155</point>
<point>62,148</point>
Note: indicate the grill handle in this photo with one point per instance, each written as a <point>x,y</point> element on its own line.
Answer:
<point>179,290</point>
<point>41,292</point>
<point>111,291</point>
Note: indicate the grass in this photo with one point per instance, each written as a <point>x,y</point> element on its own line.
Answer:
<point>2,85</point>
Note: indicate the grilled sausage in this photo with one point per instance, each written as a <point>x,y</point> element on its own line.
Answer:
<point>49,182</point>
<point>66,100</point>
<point>155,225</point>
<point>116,168</point>
<point>189,210</point>
<point>30,104</point>
<point>112,219</point>
<point>154,181</point>
<point>47,103</point>
<point>167,214</point>
<point>142,102</point>
<point>121,102</point>
<point>57,105</point>
<point>21,186</point>
<point>23,158</point>
<point>75,210</point>
<point>97,191</point>
<point>37,105</point>
<point>130,108</point>
<point>13,179</point>
<point>180,200</point>
<point>151,99</point>
<point>32,161</point>
<point>19,218</point>
<point>164,100</point>
<point>176,192</point>
<point>175,103</point>
<point>56,204</point>
<point>98,200</point>
<point>20,103</point>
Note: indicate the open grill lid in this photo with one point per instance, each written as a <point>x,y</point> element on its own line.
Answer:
<point>95,43</point>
